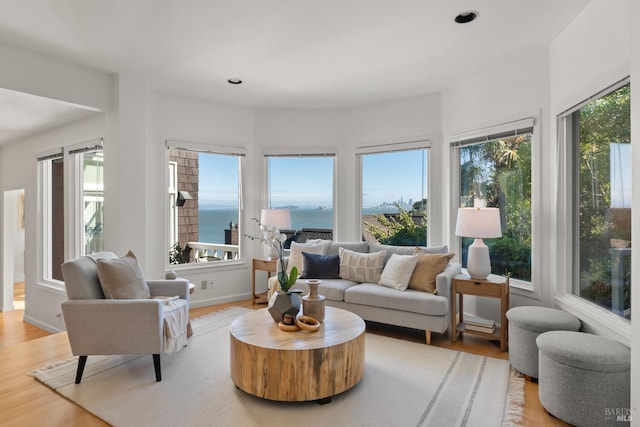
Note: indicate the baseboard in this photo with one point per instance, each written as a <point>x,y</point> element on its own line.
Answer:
<point>219,300</point>
<point>42,325</point>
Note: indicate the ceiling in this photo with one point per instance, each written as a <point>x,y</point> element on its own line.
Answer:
<point>288,53</point>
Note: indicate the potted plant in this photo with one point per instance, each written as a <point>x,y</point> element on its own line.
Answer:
<point>285,300</point>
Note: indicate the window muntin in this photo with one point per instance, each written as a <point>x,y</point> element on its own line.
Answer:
<point>205,224</point>
<point>599,133</point>
<point>395,196</point>
<point>497,173</point>
<point>304,184</point>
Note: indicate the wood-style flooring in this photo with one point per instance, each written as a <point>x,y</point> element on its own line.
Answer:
<point>24,347</point>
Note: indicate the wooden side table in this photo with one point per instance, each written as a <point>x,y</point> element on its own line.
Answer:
<point>492,287</point>
<point>261,264</point>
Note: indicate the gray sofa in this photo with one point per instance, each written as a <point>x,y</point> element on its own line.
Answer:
<point>373,302</point>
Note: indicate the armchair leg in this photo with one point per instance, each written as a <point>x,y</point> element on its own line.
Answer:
<point>156,365</point>
<point>81,362</point>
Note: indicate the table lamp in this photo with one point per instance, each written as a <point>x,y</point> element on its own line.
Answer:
<point>279,218</point>
<point>479,223</point>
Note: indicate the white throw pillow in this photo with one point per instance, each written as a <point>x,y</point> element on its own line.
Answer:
<point>361,267</point>
<point>295,253</point>
<point>398,271</point>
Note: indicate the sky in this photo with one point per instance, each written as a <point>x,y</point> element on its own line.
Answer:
<point>308,181</point>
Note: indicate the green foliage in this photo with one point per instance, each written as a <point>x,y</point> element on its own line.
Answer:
<point>287,280</point>
<point>176,255</point>
<point>400,229</point>
<point>499,174</point>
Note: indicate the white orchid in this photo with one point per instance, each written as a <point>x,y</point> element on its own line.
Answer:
<point>272,237</point>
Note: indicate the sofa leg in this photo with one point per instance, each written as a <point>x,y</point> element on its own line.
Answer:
<point>156,366</point>
<point>428,337</point>
<point>81,362</point>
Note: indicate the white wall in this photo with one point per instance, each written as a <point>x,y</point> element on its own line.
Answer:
<point>513,89</point>
<point>635,262</point>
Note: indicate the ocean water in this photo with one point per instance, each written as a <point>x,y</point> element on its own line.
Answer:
<point>213,222</point>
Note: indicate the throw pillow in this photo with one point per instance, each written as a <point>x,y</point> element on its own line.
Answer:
<point>320,266</point>
<point>122,278</point>
<point>295,255</point>
<point>397,272</point>
<point>427,269</point>
<point>361,267</point>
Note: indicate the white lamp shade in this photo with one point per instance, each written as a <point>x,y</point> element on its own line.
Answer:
<point>279,218</point>
<point>480,223</point>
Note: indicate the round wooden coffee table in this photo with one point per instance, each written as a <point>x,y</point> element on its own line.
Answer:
<point>297,366</point>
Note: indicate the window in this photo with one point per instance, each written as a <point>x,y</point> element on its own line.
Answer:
<point>304,185</point>
<point>395,193</point>
<point>599,134</point>
<point>495,171</point>
<point>71,205</point>
<point>204,202</point>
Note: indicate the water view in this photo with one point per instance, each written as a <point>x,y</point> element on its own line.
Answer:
<point>213,222</point>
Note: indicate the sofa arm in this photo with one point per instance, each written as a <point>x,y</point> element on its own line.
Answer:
<point>445,279</point>
<point>169,288</point>
<point>108,326</point>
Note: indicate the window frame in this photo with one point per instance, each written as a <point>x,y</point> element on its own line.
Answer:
<point>487,134</point>
<point>302,152</point>
<point>213,148</point>
<point>598,319</point>
<point>72,203</point>
<point>381,147</point>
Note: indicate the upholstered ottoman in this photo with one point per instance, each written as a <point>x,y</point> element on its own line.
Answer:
<point>584,379</point>
<point>525,324</point>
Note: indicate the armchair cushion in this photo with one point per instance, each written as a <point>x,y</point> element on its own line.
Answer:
<point>122,278</point>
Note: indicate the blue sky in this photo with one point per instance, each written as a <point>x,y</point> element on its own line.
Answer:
<point>308,181</point>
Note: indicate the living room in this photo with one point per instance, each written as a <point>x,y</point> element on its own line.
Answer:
<point>538,80</point>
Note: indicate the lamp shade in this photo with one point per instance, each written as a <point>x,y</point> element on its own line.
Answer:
<point>480,223</point>
<point>279,218</point>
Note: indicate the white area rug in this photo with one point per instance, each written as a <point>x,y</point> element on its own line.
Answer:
<point>404,384</point>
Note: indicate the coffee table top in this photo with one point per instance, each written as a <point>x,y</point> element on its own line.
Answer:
<point>259,330</point>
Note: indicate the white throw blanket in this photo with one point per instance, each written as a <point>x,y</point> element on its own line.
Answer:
<point>176,317</point>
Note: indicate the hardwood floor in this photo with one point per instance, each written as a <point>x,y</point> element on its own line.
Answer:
<point>24,401</point>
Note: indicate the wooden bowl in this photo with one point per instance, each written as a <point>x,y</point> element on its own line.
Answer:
<point>307,323</point>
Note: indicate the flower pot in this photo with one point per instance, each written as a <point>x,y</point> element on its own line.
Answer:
<point>282,303</point>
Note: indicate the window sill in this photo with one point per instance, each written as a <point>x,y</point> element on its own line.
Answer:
<point>596,319</point>
<point>212,265</point>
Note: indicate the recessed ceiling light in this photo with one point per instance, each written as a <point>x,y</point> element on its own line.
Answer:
<point>466,17</point>
<point>235,81</point>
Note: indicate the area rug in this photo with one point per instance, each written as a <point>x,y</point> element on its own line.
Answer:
<point>404,384</point>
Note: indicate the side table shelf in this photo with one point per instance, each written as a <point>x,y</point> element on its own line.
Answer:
<point>492,287</point>
<point>261,264</point>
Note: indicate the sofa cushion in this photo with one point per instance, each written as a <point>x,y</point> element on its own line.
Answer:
<point>409,300</point>
<point>333,289</point>
<point>334,248</point>
<point>427,269</point>
<point>317,266</point>
<point>405,250</point>
<point>361,267</point>
<point>122,278</point>
<point>295,255</point>
<point>398,271</point>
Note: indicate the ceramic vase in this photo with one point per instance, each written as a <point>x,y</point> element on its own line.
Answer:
<point>313,302</point>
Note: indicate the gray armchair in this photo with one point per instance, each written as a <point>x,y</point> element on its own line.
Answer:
<point>99,326</point>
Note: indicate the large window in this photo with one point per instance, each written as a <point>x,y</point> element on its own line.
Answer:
<point>599,134</point>
<point>204,203</point>
<point>395,193</point>
<point>304,185</point>
<point>495,171</point>
<point>71,205</point>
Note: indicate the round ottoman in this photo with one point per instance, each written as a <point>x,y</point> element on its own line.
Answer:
<point>525,324</point>
<point>584,379</point>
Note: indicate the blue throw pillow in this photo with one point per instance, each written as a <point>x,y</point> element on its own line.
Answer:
<point>316,266</point>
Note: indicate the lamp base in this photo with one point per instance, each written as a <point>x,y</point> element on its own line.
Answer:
<point>478,261</point>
